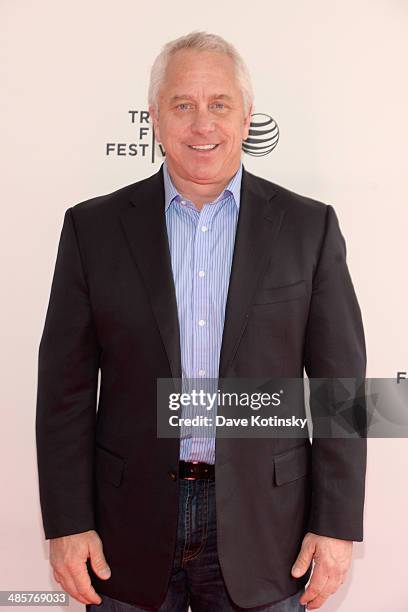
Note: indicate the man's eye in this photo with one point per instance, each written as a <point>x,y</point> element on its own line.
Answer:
<point>183,106</point>
<point>218,105</point>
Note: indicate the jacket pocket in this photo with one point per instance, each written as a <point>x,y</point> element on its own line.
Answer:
<point>270,295</point>
<point>108,466</point>
<point>292,464</point>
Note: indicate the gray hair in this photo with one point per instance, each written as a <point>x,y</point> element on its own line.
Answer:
<point>199,41</point>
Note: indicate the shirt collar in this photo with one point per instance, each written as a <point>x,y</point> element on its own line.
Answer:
<point>170,191</point>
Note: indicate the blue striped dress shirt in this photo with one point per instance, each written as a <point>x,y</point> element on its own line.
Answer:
<point>201,248</point>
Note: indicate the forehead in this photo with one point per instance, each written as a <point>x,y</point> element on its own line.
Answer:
<point>190,69</point>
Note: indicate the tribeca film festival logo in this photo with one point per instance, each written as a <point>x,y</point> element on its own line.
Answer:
<point>262,138</point>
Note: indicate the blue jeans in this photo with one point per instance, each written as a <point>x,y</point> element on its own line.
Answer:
<point>196,579</point>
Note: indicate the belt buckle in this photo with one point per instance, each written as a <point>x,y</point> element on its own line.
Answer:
<point>191,477</point>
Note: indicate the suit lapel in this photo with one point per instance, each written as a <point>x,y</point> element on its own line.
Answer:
<point>144,224</point>
<point>259,222</point>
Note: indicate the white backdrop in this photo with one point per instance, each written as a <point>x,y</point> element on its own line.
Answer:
<point>331,73</point>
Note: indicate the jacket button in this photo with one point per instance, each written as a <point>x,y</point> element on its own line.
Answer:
<point>173,475</point>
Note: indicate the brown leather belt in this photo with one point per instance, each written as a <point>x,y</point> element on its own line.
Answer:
<point>193,470</point>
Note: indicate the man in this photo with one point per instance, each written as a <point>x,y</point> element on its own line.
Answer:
<point>201,270</point>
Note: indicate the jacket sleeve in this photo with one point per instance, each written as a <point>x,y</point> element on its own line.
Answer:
<point>335,348</point>
<point>68,365</point>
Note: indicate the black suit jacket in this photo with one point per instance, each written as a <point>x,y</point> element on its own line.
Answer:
<point>291,305</point>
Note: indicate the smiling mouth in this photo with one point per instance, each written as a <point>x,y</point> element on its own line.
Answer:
<point>204,148</point>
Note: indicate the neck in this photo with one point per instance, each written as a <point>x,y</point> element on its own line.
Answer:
<point>200,193</point>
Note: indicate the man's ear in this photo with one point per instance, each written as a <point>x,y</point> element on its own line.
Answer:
<point>247,121</point>
<point>154,122</point>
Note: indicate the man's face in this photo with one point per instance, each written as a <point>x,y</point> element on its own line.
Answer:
<point>200,103</point>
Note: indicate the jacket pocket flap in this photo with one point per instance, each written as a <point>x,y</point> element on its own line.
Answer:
<point>268,295</point>
<point>109,466</point>
<point>292,464</point>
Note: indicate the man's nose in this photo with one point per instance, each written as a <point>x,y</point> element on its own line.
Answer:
<point>202,122</point>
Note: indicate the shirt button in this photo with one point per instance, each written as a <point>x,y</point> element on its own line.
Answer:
<point>201,372</point>
<point>204,228</point>
<point>201,273</point>
<point>182,201</point>
<point>201,322</point>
